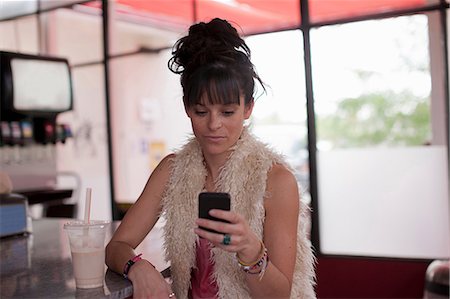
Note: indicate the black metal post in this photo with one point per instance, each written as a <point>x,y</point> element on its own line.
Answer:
<point>312,149</point>
<point>105,14</point>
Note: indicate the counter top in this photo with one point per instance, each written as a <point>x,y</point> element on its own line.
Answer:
<point>39,265</point>
<point>45,196</point>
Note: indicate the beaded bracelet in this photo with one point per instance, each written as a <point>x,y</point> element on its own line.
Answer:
<point>259,267</point>
<point>130,263</point>
<point>262,268</point>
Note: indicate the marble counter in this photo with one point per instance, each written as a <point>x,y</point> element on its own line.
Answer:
<point>39,265</point>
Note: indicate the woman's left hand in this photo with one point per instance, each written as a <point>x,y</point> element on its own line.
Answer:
<point>235,236</point>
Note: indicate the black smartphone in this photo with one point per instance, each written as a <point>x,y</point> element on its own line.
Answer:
<point>212,200</point>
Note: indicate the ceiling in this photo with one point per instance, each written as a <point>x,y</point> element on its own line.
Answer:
<point>254,16</point>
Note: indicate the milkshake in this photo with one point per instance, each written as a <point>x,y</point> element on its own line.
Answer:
<point>87,245</point>
<point>88,267</point>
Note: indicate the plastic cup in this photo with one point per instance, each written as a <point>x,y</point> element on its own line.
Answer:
<point>87,245</point>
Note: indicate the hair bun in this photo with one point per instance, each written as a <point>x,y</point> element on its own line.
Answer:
<point>216,41</point>
<point>214,63</point>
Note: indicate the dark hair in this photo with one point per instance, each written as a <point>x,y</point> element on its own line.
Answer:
<point>214,60</point>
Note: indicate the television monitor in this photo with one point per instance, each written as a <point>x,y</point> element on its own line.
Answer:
<point>35,85</point>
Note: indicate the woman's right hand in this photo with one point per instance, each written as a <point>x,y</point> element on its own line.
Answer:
<point>147,282</point>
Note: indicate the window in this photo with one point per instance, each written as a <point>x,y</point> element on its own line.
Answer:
<point>279,117</point>
<point>381,163</point>
<point>328,11</point>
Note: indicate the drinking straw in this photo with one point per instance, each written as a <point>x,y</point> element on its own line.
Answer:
<point>87,206</point>
<point>87,216</point>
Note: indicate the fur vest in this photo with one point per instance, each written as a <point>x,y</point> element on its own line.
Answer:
<point>243,176</point>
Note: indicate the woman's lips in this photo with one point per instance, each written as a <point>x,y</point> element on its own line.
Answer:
<point>214,138</point>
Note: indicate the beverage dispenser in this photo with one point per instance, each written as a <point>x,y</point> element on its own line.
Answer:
<point>33,91</point>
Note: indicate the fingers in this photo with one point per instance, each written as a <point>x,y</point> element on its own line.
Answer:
<point>151,284</point>
<point>218,238</point>
<point>153,292</point>
<point>233,244</point>
<point>219,227</point>
<point>210,236</point>
<point>228,236</point>
<point>232,226</point>
<point>225,215</point>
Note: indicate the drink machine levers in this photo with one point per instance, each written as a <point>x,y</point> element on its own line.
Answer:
<point>33,91</point>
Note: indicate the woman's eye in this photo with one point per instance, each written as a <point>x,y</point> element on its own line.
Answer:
<point>200,112</point>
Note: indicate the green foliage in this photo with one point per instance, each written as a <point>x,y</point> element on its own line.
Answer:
<point>377,119</point>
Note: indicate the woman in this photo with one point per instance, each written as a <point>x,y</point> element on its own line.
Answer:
<point>261,251</point>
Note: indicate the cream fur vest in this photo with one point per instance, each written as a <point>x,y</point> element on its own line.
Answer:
<point>244,177</point>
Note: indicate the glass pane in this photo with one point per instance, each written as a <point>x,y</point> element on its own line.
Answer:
<point>147,25</point>
<point>20,35</point>
<point>279,117</point>
<point>85,156</point>
<point>49,4</point>
<point>76,34</point>
<point>149,124</point>
<point>389,202</point>
<point>173,15</point>
<point>325,11</point>
<point>373,88</point>
<point>252,16</point>
<point>10,9</point>
<point>382,178</point>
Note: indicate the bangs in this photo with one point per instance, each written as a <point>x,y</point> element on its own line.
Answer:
<point>213,86</point>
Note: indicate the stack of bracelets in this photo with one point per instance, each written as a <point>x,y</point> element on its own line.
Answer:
<point>257,267</point>
<point>130,263</point>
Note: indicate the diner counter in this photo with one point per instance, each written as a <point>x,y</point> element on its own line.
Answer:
<point>39,265</point>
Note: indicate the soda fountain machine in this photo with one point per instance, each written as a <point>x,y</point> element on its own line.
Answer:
<point>33,91</point>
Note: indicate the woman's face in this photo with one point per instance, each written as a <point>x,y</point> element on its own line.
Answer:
<point>217,127</point>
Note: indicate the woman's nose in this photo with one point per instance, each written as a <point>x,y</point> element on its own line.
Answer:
<point>214,122</point>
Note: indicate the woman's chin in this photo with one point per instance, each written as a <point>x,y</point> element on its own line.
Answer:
<point>214,150</point>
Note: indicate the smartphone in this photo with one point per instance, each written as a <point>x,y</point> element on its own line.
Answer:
<point>212,200</point>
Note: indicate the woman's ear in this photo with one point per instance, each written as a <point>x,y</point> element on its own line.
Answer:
<point>248,110</point>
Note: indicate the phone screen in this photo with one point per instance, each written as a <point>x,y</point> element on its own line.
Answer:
<point>212,200</point>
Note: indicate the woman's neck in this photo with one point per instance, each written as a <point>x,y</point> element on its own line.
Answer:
<point>214,164</point>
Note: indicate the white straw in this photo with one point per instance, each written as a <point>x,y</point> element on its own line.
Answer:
<point>87,206</point>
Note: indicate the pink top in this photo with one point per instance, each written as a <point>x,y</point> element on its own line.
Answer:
<point>202,283</point>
